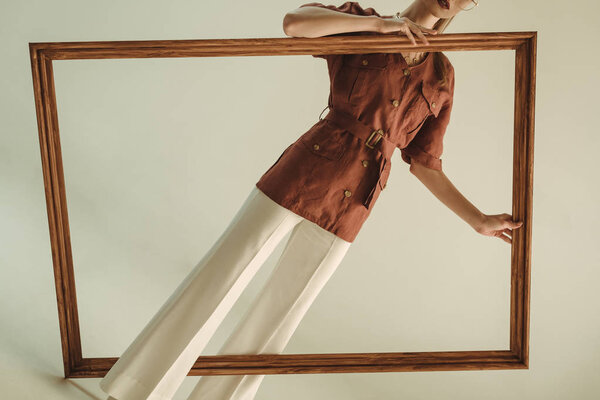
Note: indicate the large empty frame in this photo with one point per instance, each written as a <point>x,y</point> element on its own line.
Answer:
<point>517,356</point>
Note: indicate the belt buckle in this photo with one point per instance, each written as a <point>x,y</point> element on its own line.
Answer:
<point>378,132</point>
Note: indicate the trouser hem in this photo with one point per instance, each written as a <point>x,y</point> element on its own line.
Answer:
<point>129,384</point>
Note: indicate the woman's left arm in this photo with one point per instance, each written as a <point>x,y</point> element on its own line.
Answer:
<point>497,225</point>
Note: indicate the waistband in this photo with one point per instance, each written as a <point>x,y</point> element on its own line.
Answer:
<point>371,137</point>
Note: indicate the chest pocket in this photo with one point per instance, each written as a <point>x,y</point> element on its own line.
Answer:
<point>427,102</point>
<point>365,72</point>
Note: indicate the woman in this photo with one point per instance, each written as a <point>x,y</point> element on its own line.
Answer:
<point>321,188</point>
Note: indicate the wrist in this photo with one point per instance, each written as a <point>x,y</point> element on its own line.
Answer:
<point>377,22</point>
<point>477,220</point>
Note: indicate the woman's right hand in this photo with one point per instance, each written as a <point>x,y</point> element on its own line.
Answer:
<point>405,26</point>
<point>498,225</point>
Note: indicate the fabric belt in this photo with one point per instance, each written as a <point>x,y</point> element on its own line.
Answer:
<point>372,138</point>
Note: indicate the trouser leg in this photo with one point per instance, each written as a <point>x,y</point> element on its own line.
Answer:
<point>308,260</point>
<point>156,362</point>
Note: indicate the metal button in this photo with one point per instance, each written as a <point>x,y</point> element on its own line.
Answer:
<point>406,71</point>
<point>396,103</point>
<point>316,146</point>
<point>347,193</point>
<point>365,163</point>
<point>433,104</point>
<point>365,61</point>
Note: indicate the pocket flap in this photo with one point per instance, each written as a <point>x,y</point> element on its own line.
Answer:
<point>325,141</point>
<point>432,96</point>
<point>368,61</point>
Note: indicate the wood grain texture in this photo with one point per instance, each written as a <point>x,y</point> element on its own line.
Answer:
<point>42,56</point>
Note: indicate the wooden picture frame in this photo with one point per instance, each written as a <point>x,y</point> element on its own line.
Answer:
<point>516,357</point>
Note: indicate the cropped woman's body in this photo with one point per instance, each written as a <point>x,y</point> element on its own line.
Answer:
<point>294,196</point>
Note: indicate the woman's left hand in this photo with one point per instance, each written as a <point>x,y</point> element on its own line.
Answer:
<point>498,225</point>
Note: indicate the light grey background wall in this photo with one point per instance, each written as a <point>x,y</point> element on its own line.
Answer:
<point>149,191</point>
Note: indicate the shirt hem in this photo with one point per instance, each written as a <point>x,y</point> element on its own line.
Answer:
<point>305,214</point>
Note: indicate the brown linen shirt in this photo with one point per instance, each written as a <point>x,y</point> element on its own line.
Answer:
<point>333,173</point>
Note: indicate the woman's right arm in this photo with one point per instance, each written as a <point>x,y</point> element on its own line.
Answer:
<point>312,21</point>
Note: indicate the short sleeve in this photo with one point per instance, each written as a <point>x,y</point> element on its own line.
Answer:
<point>427,146</point>
<point>349,7</point>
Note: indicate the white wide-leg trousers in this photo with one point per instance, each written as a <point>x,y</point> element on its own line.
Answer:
<point>157,361</point>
